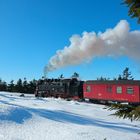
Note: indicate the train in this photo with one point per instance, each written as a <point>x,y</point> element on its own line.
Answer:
<point>122,91</point>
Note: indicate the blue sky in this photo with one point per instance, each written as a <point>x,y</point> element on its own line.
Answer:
<point>31,31</point>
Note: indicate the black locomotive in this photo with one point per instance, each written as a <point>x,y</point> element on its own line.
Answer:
<point>64,88</point>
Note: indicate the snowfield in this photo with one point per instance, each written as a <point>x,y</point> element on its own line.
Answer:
<point>29,118</point>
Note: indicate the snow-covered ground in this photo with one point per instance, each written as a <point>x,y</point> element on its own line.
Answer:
<point>29,118</point>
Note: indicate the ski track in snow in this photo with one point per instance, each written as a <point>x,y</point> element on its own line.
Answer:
<point>29,118</point>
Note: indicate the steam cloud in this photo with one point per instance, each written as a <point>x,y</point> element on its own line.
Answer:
<point>113,42</point>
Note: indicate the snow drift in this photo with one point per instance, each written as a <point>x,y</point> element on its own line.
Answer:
<point>113,42</point>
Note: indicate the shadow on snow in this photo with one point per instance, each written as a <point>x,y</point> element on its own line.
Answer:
<point>18,115</point>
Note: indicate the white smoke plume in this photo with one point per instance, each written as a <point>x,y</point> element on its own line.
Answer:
<point>113,42</point>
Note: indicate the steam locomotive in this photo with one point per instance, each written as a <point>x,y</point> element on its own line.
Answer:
<point>64,88</point>
<point>93,90</point>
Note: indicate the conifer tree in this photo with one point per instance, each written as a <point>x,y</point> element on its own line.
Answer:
<point>19,86</point>
<point>134,8</point>
<point>126,74</point>
<point>3,85</point>
<point>126,111</point>
<point>25,86</point>
<point>11,86</point>
<point>32,86</point>
<point>75,75</point>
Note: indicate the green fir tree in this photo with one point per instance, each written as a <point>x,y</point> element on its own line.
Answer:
<point>126,111</point>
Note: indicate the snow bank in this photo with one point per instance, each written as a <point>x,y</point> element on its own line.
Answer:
<point>29,118</point>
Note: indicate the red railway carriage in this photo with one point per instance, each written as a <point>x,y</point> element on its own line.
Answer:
<point>113,90</point>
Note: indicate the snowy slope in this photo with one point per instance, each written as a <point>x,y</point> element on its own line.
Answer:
<point>28,118</point>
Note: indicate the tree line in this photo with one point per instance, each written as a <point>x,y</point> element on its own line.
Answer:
<point>24,86</point>
<point>21,86</point>
<point>126,75</point>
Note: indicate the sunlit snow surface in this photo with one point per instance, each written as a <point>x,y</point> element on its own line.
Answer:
<point>29,118</point>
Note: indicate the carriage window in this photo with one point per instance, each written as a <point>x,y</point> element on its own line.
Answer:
<point>119,90</point>
<point>109,89</point>
<point>130,90</point>
<point>88,89</point>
